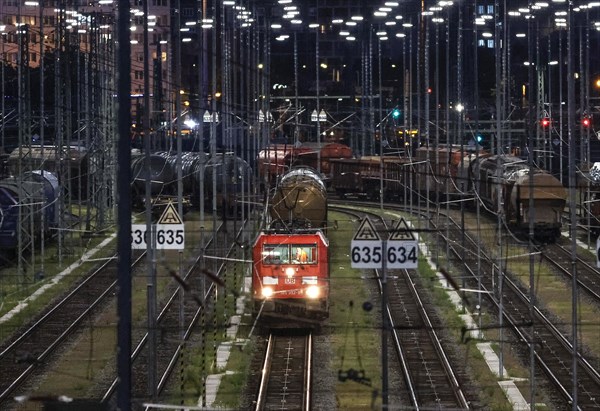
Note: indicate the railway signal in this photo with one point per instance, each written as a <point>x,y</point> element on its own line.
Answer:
<point>545,122</point>
<point>586,122</point>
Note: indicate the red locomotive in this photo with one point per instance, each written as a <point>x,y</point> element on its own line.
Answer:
<point>290,270</point>
<point>291,276</point>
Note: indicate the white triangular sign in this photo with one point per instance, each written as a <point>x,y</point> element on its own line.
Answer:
<point>170,216</point>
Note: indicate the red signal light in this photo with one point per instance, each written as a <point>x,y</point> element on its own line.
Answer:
<point>586,122</point>
<point>545,122</point>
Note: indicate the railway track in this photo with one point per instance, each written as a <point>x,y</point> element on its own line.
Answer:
<point>587,275</point>
<point>431,377</point>
<point>552,349</point>
<point>176,324</point>
<point>286,373</point>
<point>28,353</point>
<point>34,347</point>
<point>431,380</point>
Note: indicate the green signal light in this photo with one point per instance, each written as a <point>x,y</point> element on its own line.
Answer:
<point>396,113</point>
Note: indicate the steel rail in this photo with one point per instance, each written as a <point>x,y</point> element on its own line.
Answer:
<point>72,326</point>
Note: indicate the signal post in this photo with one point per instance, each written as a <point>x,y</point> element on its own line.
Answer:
<point>167,234</point>
<point>399,251</point>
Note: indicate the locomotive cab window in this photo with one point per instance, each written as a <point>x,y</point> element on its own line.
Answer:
<point>276,254</point>
<point>289,254</point>
<point>304,253</point>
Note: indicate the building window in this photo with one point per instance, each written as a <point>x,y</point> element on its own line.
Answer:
<point>490,9</point>
<point>490,44</point>
<point>163,20</point>
<point>139,74</point>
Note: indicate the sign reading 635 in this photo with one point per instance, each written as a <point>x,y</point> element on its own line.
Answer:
<point>167,236</point>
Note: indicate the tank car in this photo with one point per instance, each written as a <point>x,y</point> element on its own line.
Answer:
<point>290,278</point>
<point>232,176</point>
<point>300,200</point>
<point>29,199</point>
<point>157,169</point>
<point>49,158</point>
<point>227,180</point>
<point>517,186</point>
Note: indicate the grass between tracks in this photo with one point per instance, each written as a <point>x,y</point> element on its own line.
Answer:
<point>93,353</point>
<point>491,395</point>
<point>41,269</point>
<point>553,291</point>
<point>355,331</point>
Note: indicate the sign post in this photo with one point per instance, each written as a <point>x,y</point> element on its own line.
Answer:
<point>169,232</point>
<point>400,251</point>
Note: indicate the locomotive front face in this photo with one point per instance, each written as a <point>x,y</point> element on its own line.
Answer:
<point>290,267</point>
<point>290,275</point>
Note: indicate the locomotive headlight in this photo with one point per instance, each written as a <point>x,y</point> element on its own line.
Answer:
<point>290,271</point>
<point>267,292</point>
<point>313,292</point>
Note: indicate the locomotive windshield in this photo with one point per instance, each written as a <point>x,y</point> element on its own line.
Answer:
<point>289,253</point>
